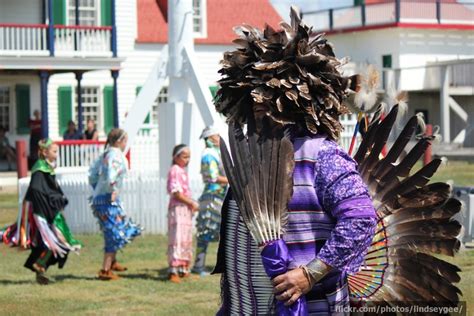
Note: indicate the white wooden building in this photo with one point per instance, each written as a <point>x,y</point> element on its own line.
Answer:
<point>425,47</point>
<point>90,46</point>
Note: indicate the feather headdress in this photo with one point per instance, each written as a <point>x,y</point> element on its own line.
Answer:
<point>290,75</point>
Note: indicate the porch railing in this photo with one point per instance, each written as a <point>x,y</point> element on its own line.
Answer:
<point>392,11</point>
<point>82,39</point>
<point>24,39</point>
<point>78,153</point>
<point>32,39</point>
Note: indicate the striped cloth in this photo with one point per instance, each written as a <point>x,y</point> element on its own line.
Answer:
<point>312,231</point>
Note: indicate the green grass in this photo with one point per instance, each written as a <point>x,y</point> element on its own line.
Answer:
<point>142,290</point>
<point>461,173</point>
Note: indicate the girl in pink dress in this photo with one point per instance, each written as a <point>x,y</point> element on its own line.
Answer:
<point>180,213</point>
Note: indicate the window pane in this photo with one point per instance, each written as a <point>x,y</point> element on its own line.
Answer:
<point>90,106</point>
<point>5,107</point>
<point>87,12</point>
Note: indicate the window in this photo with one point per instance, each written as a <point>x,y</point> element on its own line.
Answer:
<point>5,107</point>
<point>199,18</point>
<point>88,14</point>
<point>90,106</point>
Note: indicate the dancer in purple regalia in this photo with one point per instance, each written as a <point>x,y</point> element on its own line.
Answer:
<point>331,219</point>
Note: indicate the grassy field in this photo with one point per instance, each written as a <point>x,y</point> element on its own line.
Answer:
<point>143,289</point>
<point>460,173</point>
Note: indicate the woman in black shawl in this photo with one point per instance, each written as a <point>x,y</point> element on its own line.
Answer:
<point>41,225</point>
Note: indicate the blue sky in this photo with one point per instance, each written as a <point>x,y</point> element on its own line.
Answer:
<point>283,6</point>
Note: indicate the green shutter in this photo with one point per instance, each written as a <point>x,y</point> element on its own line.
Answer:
<point>106,12</point>
<point>59,12</point>
<point>358,2</point>
<point>64,108</point>
<point>214,92</point>
<point>22,108</point>
<point>108,108</point>
<point>147,118</point>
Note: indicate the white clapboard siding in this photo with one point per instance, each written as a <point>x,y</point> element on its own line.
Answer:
<point>144,199</point>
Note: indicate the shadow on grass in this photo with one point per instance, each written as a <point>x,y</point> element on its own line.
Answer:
<point>63,277</point>
<point>16,282</point>
<point>147,274</point>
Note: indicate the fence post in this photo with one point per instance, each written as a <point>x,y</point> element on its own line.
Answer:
<point>331,19</point>
<point>21,159</point>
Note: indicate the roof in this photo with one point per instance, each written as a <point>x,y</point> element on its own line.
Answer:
<point>222,16</point>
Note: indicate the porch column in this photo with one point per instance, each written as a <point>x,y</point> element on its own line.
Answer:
<point>79,101</point>
<point>44,77</point>
<point>114,31</point>
<point>444,102</point>
<point>115,75</point>
<point>76,23</point>
<point>50,28</point>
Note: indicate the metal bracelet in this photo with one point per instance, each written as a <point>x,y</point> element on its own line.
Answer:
<point>317,270</point>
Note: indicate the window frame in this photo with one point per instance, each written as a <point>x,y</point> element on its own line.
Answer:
<point>97,10</point>
<point>99,121</point>
<point>9,108</point>
<point>202,4</point>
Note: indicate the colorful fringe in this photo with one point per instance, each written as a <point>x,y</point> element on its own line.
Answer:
<point>118,229</point>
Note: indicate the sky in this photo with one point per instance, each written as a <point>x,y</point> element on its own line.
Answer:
<point>283,6</point>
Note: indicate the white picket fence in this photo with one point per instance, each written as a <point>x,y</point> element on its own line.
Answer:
<point>144,194</point>
<point>144,199</point>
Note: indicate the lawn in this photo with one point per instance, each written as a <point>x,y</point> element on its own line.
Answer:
<point>143,289</point>
<point>460,173</point>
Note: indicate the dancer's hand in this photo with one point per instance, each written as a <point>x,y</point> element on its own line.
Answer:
<point>194,206</point>
<point>290,286</point>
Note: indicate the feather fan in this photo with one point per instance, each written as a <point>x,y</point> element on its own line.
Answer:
<point>260,173</point>
<point>415,222</point>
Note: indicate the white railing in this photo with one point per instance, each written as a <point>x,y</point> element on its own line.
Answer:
<point>32,39</point>
<point>21,39</point>
<point>78,153</point>
<point>143,195</point>
<point>428,77</point>
<point>84,39</point>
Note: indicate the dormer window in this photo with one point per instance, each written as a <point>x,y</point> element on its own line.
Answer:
<point>200,18</point>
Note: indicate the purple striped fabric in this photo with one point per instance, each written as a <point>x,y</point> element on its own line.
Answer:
<point>331,217</point>
<point>328,193</point>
